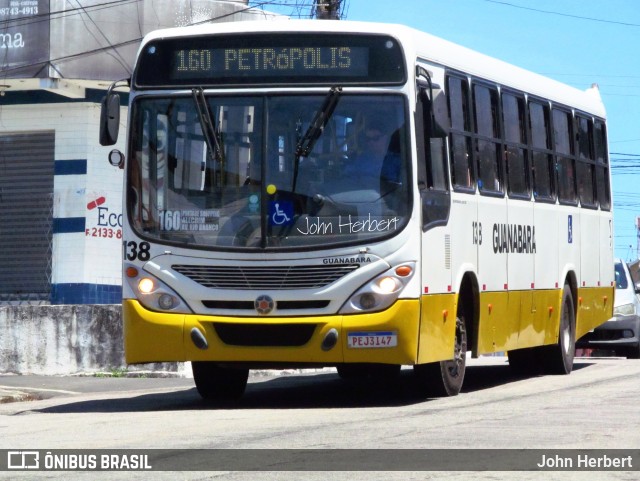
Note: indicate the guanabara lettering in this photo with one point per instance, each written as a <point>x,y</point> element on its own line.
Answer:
<point>514,239</point>
<point>347,260</point>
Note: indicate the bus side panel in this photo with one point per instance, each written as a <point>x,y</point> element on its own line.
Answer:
<point>599,303</point>
<point>589,268</point>
<point>504,329</point>
<point>547,239</point>
<point>437,327</point>
<point>548,294</point>
<point>499,332</point>
<point>499,321</point>
<point>151,336</point>
<point>493,245</point>
<point>545,316</point>
<point>607,276</point>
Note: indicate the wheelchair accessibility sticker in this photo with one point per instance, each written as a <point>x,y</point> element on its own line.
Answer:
<point>280,213</point>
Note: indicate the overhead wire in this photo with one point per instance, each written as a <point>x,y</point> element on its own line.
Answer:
<point>114,53</point>
<point>550,12</point>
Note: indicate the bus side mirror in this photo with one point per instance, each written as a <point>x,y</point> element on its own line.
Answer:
<point>109,119</point>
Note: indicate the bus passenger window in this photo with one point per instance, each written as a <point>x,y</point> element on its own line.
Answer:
<point>602,165</point>
<point>487,145</point>
<point>564,149</point>
<point>515,136</point>
<point>460,140</point>
<point>543,186</point>
<point>585,166</point>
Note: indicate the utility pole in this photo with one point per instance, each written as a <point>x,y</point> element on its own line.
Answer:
<point>328,9</point>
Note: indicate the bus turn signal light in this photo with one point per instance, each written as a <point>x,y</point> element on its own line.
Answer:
<point>404,271</point>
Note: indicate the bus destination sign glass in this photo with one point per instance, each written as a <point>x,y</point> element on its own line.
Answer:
<point>294,61</point>
<point>272,59</point>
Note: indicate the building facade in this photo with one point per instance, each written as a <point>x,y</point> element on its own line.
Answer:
<point>60,200</point>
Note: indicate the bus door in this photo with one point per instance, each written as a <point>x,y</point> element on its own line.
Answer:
<point>467,233</point>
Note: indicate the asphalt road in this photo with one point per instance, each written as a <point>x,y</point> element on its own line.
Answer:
<point>596,407</point>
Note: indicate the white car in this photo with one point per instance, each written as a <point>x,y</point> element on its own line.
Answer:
<point>621,333</point>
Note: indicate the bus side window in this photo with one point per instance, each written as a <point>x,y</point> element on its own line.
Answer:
<point>585,166</point>
<point>432,173</point>
<point>460,134</point>
<point>485,102</point>
<point>543,184</point>
<point>602,165</point>
<point>515,151</point>
<point>564,150</point>
<point>436,168</point>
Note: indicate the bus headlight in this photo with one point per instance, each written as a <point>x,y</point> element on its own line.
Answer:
<point>380,292</point>
<point>388,285</point>
<point>146,285</point>
<point>153,293</point>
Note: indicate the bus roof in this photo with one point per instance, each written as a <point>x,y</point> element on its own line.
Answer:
<point>416,45</point>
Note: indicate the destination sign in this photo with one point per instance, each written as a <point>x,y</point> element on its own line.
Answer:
<point>224,62</point>
<point>270,59</point>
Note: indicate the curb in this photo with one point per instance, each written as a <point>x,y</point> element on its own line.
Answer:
<point>17,396</point>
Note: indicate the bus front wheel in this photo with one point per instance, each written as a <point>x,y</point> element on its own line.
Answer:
<point>218,383</point>
<point>444,378</point>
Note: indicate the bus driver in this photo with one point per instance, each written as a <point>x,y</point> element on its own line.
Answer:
<point>379,159</point>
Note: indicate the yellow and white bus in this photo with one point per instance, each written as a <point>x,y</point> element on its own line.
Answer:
<point>357,195</point>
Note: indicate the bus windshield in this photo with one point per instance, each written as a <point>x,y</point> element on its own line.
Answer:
<point>228,172</point>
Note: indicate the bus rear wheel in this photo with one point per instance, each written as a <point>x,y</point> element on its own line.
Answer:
<point>558,358</point>
<point>444,378</point>
<point>218,383</point>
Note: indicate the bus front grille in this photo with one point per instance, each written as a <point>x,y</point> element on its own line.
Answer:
<point>265,278</point>
<point>250,305</point>
<point>264,335</point>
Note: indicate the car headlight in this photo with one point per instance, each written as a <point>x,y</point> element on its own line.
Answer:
<point>380,292</point>
<point>153,293</point>
<point>624,310</point>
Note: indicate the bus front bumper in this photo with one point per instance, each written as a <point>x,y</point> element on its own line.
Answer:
<point>389,337</point>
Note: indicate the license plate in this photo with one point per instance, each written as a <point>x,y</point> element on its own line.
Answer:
<point>364,340</point>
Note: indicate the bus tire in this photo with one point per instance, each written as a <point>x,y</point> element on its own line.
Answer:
<point>558,358</point>
<point>217,383</point>
<point>444,378</point>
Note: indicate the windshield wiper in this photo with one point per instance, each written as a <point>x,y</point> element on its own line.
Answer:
<point>316,127</point>
<point>211,135</point>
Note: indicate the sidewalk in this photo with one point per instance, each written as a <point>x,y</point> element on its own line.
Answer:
<point>36,387</point>
<point>14,395</point>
